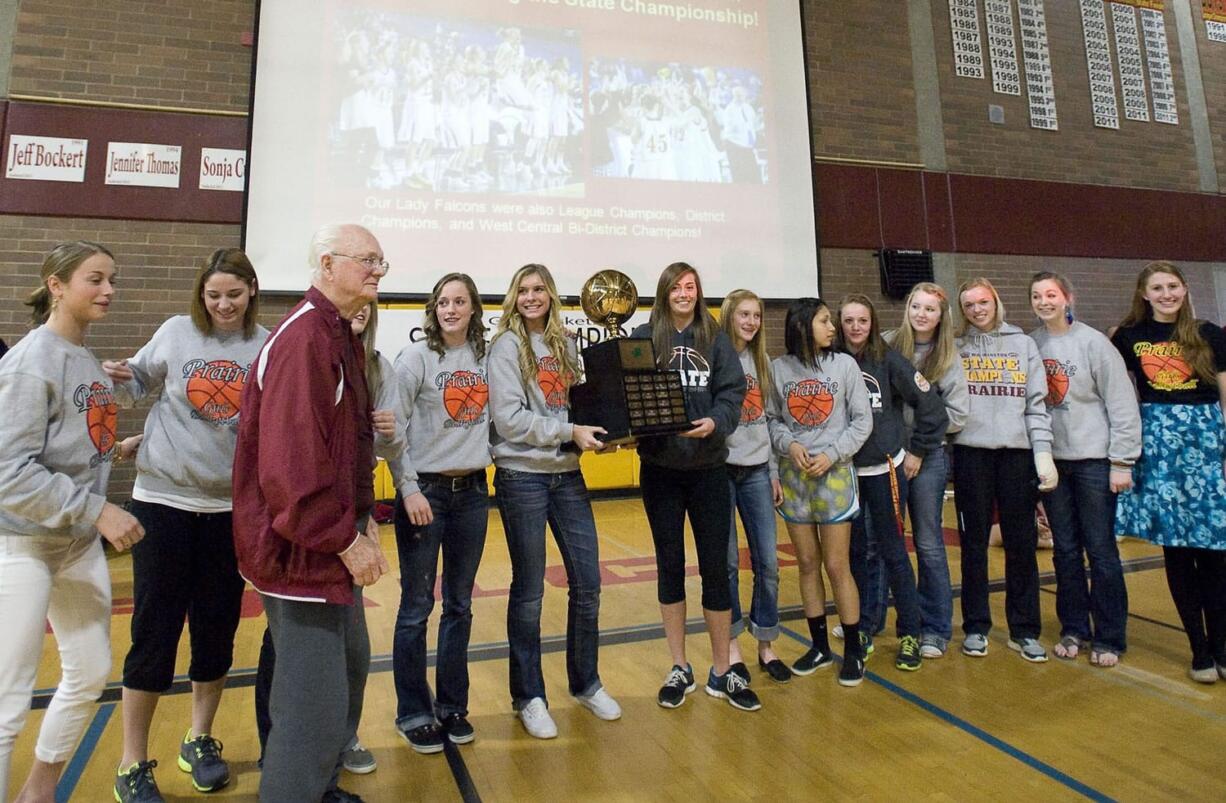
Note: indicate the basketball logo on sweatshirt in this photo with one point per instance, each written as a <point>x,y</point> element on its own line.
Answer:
<point>465,394</point>
<point>214,389</point>
<point>1058,375</point>
<point>810,401</point>
<point>97,402</point>
<point>751,408</point>
<point>549,379</point>
<point>694,368</point>
<point>1164,366</point>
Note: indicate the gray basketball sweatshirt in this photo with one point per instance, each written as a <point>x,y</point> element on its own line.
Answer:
<point>825,408</point>
<point>750,442</point>
<point>444,403</point>
<point>951,388</point>
<point>196,380</point>
<point>531,421</point>
<point>58,431</point>
<point>1006,384</point>
<point>1092,402</point>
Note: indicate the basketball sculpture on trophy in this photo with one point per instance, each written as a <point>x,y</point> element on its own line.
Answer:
<point>624,391</point>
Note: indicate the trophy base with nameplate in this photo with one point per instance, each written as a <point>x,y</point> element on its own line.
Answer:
<point>627,394</point>
<point>624,391</point>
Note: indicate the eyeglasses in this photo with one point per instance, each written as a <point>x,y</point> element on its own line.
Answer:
<point>372,264</point>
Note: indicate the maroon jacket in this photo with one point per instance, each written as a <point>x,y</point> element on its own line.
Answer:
<point>302,464</point>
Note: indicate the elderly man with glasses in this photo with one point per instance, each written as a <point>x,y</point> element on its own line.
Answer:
<point>302,528</point>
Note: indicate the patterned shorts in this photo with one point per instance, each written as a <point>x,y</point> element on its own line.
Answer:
<point>829,499</point>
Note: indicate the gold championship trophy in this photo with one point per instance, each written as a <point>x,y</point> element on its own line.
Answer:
<point>624,391</point>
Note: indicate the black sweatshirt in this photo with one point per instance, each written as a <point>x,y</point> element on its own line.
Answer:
<point>893,385</point>
<point>714,388</point>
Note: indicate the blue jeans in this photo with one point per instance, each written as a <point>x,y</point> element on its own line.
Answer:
<point>925,499</point>
<point>876,541</point>
<point>1081,512</point>
<point>751,495</point>
<point>526,501</point>
<point>458,529</point>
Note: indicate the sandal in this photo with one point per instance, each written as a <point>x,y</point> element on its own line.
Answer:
<point>1068,647</point>
<point>1101,656</point>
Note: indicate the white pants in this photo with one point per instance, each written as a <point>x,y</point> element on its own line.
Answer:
<point>64,581</point>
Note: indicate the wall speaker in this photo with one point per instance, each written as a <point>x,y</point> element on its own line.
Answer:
<point>902,269</point>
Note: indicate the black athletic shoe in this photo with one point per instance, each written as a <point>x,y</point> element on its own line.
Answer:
<point>741,671</point>
<point>425,739</point>
<point>202,758</point>
<point>852,672</point>
<point>458,729</point>
<point>339,795</point>
<point>677,685</point>
<point>812,661</point>
<point>908,659</point>
<point>729,686</point>
<point>776,669</point>
<point>136,784</point>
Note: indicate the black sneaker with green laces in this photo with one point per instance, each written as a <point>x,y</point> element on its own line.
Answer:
<point>136,784</point>
<point>908,659</point>
<point>202,758</point>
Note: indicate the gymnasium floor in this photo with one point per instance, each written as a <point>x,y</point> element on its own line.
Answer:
<point>960,728</point>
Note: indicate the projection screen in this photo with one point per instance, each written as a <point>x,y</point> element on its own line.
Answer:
<point>481,135</point>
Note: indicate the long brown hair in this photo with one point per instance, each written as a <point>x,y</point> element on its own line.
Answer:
<point>1196,351</point>
<point>476,324</point>
<point>940,357</point>
<point>964,323</point>
<point>704,326</point>
<point>556,337</point>
<point>374,371</point>
<point>875,346</point>
<point>756,345</point>
<point>61,262</point>
<point>234,262</point>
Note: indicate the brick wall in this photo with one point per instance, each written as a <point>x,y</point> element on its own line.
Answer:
<point>861,96</point>
<point>165,53</point>
<point>156,267</point>
<point>1151,155</point>
<point>1213,72</point>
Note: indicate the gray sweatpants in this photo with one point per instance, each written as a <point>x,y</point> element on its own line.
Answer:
<point>323,657</point>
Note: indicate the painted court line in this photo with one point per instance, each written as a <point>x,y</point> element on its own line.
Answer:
<point>85,751</point>
<point>975,731</point>
<point>493,651</point>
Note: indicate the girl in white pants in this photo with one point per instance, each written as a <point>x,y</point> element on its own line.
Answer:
<point>59,436</point>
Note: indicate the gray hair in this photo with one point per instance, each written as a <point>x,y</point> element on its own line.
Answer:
<point>323,241</point>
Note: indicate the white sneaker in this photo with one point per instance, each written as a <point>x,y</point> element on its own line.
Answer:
<point>602,705</point>
<point>536,719</point>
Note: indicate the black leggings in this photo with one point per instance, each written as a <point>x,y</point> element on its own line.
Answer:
<point>668,494</point>
<point>1197,579</point>
<point>184,567</point>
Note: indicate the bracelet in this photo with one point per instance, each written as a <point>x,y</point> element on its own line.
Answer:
<point>118,457</point>
<point>1121,466</point>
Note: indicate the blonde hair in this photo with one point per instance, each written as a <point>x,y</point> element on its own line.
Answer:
<point>971,284</point>
<point>62,261</point>
<point>1196,350</point>
<point>756,345</point>
<point>555,334</point>
<point>940,358</point>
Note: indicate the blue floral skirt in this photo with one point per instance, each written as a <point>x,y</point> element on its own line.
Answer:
<point>1179,491</point>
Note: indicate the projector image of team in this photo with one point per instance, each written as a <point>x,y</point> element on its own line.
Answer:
<point>255,467</point>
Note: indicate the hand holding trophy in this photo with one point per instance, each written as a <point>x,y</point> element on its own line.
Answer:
<point>624,391</point>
